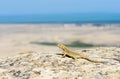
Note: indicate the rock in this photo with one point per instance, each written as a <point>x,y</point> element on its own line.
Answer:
<point>51,66</point>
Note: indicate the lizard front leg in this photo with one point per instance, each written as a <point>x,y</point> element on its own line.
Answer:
<point>64,54</point>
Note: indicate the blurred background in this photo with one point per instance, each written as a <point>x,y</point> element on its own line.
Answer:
<point>39,25</point>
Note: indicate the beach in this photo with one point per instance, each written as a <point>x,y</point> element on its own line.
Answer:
<point>16,38</point>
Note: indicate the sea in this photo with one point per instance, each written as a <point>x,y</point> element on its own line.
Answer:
<point>76,18</point>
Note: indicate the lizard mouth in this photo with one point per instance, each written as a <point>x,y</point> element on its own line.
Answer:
<point>59,45</point>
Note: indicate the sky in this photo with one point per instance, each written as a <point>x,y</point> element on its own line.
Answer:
<point>20,7</point>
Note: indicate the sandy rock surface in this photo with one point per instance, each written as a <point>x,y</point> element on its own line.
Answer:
<point>52,66</point>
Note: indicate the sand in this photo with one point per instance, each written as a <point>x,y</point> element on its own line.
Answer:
<point>15,38</point>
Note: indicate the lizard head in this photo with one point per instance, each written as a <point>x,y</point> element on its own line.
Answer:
<point>61,45</point>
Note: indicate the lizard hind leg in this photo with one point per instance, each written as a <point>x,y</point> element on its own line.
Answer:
<point>75,59</point>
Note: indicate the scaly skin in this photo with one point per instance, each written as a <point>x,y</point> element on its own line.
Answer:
<point>76,55</point>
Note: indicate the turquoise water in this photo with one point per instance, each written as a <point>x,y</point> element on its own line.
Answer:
<point>63,18</point>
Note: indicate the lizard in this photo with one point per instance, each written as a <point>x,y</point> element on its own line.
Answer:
<point>75,55</point>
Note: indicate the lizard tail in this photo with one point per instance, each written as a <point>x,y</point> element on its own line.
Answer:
<point>94,60</point>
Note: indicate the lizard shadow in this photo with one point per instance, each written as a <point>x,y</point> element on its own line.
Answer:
<point>63,54</point>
